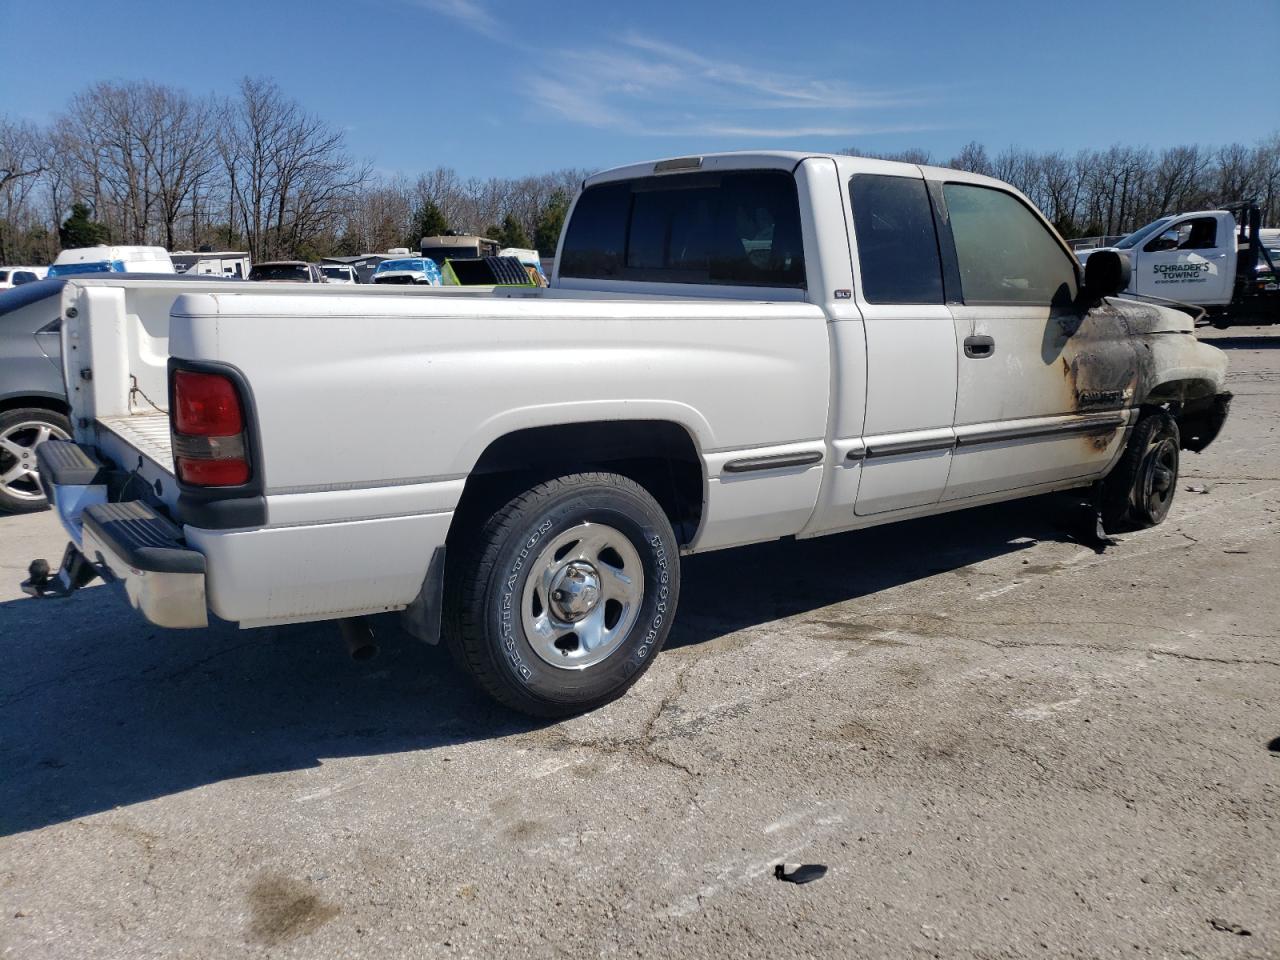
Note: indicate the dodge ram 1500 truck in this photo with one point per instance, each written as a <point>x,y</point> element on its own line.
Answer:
<point>733,348</point>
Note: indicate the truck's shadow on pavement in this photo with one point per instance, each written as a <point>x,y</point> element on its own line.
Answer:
<point>98,709</point>
<point>1243,343</point>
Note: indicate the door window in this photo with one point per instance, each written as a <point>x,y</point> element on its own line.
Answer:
<point>1005,252</point>
<point>897,242</point>
<point>1198,234</point>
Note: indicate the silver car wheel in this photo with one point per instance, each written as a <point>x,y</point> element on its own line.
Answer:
<point>582,596</point>
<point>19,477</point>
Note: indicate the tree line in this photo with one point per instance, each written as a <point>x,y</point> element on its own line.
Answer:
<point>1116,190</point>
<point>145,163</point>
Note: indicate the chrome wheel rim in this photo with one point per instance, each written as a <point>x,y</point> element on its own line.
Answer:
<point>1161,476</point>
<point>19,477</point>
<point>582,596</point>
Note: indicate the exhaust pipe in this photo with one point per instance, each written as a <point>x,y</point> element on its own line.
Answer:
<point>358,636</point>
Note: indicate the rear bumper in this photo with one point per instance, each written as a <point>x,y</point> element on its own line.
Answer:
<point>127,542</point>
<point>302,568</point>
<point>163,579</point>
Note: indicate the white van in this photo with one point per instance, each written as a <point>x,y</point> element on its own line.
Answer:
<point>112,260</point>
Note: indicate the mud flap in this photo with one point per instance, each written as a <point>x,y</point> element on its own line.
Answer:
<point>1199,425</point>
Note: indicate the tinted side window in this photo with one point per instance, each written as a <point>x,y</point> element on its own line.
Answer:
<point>596,244</point>
<point>1006,254</point>
<point>1198,234</point>
<point>731,228</point>
<point>897,243</point>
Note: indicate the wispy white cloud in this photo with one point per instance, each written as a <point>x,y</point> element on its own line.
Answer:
<point>469,13</point>
<point>572,102</point>
<point>778,90</point>
<point>642,85</point>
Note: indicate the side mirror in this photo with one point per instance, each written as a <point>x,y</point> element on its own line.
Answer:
<point>1106,273</point>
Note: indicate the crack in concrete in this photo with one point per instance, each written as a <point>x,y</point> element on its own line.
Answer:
<point>1229,661</point>
<point>197,664</point>
<point>931,626</point>
<point>642,747</point>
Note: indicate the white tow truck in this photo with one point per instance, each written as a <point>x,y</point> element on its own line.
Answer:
<point>733,348</point>
<point>1221,260</point>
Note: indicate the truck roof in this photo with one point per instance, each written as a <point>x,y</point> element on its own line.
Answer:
<point>776,160</point>
<point>95,254</point>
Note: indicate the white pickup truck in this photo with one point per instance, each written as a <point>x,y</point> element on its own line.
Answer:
<point>733,349</point>
<point>1221,260</point>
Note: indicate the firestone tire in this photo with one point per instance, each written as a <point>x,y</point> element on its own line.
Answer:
<point>1140,488</point>
<point>566,594</point>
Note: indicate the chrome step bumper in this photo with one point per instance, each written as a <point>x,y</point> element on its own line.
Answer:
<point>127,542</point>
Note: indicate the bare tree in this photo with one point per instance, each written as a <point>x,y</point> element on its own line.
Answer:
<point>179,151</point>
<point>1177,180</point>
<point>973,158</point>
<point>288,172</point>
<point>24,157</point>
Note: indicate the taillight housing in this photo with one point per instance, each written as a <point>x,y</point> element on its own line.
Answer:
<point>209,443</point>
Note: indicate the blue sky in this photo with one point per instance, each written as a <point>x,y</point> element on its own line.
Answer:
<point>506,88</point>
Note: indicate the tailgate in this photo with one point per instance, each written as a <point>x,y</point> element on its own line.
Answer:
<point>115,354</point>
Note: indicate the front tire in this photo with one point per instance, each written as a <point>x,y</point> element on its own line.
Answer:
<point>566,595</point>
<point>1139,491</point>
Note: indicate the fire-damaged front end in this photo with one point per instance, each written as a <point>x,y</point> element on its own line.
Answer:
<point>1174,370</point>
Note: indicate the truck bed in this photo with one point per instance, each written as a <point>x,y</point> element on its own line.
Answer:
<point>148,433</point>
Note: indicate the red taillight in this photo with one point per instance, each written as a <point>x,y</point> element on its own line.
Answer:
<point>205,405</point>
<point>208,430</point>
<point>213,473</point>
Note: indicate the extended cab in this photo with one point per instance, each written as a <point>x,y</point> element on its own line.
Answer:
<point>733,348</point>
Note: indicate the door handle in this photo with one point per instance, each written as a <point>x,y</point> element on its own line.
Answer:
<point>979,347</point>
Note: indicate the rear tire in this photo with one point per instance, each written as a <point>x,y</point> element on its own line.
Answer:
<point>1139,490</point>
<point>21,431</point>
<point>565,595</point>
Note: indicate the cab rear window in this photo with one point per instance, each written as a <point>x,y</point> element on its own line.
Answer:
<point>736,228</point>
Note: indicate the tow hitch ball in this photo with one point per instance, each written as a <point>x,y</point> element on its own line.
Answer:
<point>73,573</point>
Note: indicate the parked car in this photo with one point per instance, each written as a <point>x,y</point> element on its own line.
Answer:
<point>419,270</point>
<point>11,277</point>
<point>735,348</point>
<point>339,273</point>
<point>33,401</point>
<point>107,259</point>
<point>33,397</point>
<point>286,271</point>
